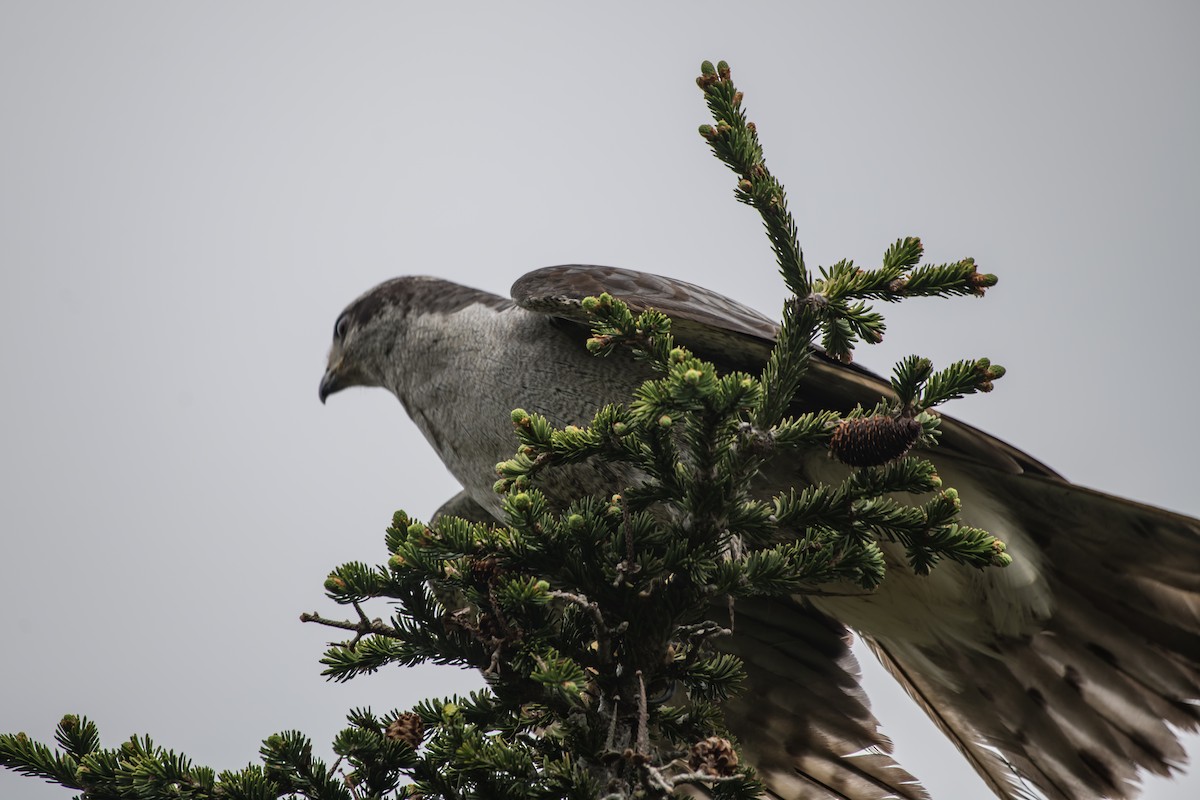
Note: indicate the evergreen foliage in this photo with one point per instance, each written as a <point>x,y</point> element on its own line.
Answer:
<point>595,626</point>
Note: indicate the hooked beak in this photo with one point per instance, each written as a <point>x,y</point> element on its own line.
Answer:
<point>331,382</point>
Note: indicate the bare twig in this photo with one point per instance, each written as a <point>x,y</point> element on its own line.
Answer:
<point>362,627</point>
<point>643,732</point>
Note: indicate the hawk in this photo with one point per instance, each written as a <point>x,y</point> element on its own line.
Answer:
<point>1072,669</point>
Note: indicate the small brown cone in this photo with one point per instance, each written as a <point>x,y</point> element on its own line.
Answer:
<point>713,756</point>
<point>871,441</point>
<point>407,728</point>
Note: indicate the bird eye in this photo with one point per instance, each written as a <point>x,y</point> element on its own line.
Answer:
<point>339,328</point>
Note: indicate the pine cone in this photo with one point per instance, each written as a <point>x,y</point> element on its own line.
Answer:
<point>407,728</point>
<point>713,756</point>
<point>871,441</point>
<point>486,571</point>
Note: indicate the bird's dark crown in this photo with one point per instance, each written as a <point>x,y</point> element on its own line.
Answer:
<point>415,294</point>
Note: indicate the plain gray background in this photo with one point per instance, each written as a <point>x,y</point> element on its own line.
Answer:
<point>191,193</point>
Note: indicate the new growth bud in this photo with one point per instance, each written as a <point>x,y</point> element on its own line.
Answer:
<point>1000,556</point>
<point>983,280</point>
<point>987,372</point>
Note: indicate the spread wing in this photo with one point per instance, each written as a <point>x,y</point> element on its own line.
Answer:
<point>1076,704</point>
<point>738,337</point>
<point>803,717</point>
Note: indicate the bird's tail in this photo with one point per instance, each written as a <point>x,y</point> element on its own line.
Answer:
<point>1097,693</point>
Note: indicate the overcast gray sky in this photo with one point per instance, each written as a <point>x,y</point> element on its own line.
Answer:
<point>190,193</point>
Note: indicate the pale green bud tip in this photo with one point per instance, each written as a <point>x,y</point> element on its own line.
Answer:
<point>449,710</point>
<point>589,304</point>
<point>520,416</point>
<point>678,354</point>
<point>396,562</point>
<point>723,69</point>
<point>542,586</point>
<point>400,520</point>
<point>416,529</point>
<point>665,420</point>
<point>521,501</point>
<point>1001,560</point>
<point>500,486</point>
<point>693,376</point>
<point>707,68</point>
<point>334,584</point>
<point>595,345</point>
<point>935,480</point>
<point>575,521</point>
<point>619,428</point>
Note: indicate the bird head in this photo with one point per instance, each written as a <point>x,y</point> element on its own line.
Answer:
<point>365,337</point>
<point>375,337</point>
